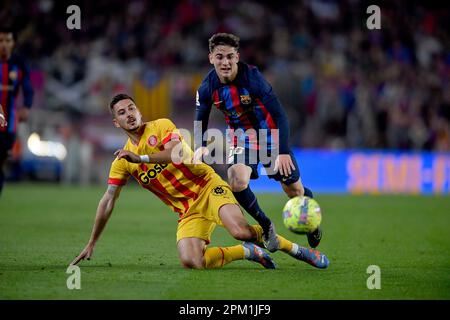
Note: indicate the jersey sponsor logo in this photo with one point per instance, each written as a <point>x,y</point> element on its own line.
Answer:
<point>152,173</point>
<point>152,140</point>
<point>246,99</point>
<point>219,191</point>
<point>13,75</point>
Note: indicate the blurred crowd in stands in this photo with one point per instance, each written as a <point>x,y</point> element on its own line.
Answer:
<point>343,85</point>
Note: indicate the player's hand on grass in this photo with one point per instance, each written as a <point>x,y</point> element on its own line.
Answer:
<point>84,255</point>
<point>127,155</point>
<point>199,154</point>
<point>284,164</point>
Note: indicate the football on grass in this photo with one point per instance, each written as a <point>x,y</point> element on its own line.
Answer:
<point>302,215</point>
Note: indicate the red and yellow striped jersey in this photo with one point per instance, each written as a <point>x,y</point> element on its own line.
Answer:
<point>177,185</point>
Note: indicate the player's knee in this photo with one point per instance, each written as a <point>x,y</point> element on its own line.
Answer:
<point>192,262</point>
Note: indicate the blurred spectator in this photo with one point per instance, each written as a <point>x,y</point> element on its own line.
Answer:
<point>343,86</point>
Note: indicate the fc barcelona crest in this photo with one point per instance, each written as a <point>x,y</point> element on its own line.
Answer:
<point>245,99</point>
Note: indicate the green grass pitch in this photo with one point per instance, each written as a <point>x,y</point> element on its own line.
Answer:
<point>43,227</point>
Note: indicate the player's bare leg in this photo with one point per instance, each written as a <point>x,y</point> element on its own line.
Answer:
<point>296,189</point>
<point>238,178</point>
<point>234,221</point>
<point>194,254</point>
<point>190,251</point>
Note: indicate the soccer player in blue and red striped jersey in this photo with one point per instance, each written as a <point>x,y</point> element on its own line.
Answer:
<point>249,105</point>
<point>14,74</point>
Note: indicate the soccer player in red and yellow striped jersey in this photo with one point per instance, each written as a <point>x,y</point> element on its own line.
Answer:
<point>179,185</point>
<point>158,158</point>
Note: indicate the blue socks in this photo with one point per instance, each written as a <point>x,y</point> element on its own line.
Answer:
<point>248,201</point>
<point>308,192</point>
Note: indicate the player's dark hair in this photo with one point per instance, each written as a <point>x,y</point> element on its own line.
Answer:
<point>117,98</point>
<point>8,29</point>
<point>224,39</point>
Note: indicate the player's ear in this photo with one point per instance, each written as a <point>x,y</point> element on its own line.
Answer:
<point>211,58</point>
<point>116,124</point>
<point>237,56</point>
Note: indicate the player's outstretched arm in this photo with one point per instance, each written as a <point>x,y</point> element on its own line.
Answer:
<point>173,152</point>
<point>127,155</point>
<point>104,210</point>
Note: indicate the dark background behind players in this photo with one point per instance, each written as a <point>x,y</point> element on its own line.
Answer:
<point>14,77</point>
<point>343,86</point>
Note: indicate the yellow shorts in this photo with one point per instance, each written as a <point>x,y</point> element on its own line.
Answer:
<point>203,216</point>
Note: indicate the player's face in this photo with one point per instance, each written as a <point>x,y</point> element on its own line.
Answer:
<point>225,59</point>
<point>127,116</point>
<point>6,45</point>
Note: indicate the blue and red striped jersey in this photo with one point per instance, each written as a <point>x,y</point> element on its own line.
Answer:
<point>247,103</point>
<point>14,74</point>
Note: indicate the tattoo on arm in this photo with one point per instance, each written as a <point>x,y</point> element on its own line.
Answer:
<point>111,189</point>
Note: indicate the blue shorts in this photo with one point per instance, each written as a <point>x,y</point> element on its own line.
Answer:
<point>252,158</point>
